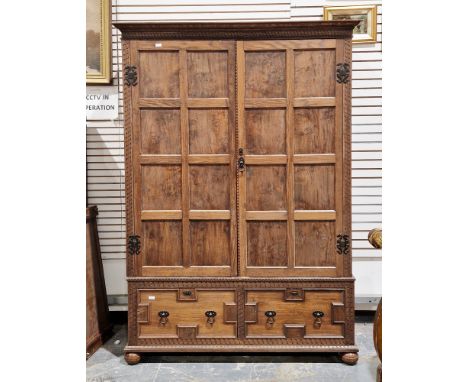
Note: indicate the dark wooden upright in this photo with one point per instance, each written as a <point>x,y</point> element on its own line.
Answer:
<point>238,187</point>
<point>98,325</point>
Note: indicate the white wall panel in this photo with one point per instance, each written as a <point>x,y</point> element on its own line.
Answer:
<point>105,154</point>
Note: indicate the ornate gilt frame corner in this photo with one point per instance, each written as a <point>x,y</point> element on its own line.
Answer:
<point>370,10</point>
<point>104,77</point>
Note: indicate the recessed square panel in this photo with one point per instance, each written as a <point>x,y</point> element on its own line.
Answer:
<point>162,243</point>
<point>267,243</point>
<point>158,74</point>
<point>209,187</point>
<point>265,74</point>
<point>209,242</point>
<point>160,131</point>
<point>266,188</point>
<point>207,74</point>
<point>265,131</point>
<point>161,187</point>
<point>314,130</point>
<point>314,187</point>
<point>209,131</point>
<point>314,73</point>
<point>315,243</point>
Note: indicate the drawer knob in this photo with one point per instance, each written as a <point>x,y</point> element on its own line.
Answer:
<point>187,293</point>
<point>163,317</point>
<point>211,314</point>
<point>318,318</point>
<point>270,314</point>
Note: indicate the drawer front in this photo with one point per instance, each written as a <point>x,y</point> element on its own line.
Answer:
<point>294,313</point>
<point>186,313</point>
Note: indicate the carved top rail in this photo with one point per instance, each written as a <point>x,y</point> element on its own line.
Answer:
<point>237,30</point>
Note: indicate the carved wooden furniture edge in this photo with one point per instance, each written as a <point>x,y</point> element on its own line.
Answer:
<point>237,30</point>
<point>242,348</point>
<point>241,280</point>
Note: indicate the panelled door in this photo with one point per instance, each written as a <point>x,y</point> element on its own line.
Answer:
<point>184,169</point>
<point>290,140</point>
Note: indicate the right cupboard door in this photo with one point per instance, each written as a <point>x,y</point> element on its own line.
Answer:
<point>290,127</point>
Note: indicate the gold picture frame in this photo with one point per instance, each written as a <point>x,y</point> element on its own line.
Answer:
<point>98,48</point>
<point>366,31</point>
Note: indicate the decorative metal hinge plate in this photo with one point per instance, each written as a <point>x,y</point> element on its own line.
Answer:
<point>131,76</point>
<point>134,245</point>
<point>342,244</point>
<point>342,73</point>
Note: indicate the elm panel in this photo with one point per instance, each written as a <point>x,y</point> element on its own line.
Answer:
<point>160,131</point>
<point>314,130</point>
<point>158,74</point>
<point>208,131</point>
<point>161,187</point>
<point>267,244</point>
<point>266,188</point>
<point>315,243</point>
<point>265,131</point>
<point>314,73</point>
<point>162,243</point>
<point>314,187</point>
<point>209,187</point>
<point>209,243</point>
<point>207,74</point>
<point>265,74</point>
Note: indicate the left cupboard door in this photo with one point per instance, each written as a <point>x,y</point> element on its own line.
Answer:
<point>182,153</point>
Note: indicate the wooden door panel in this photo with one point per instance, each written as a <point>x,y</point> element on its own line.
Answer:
<point>209,131</point>
<point>183,158</point>
<point>265,131</point>
<point>209,242</point>
<point>266,188</point>
<point>290,133</point>
<point>265,74</point>
<point>159,74</point>
<point>314,130</point>
<point>186,313</point>
<point>161,129</point>
<point>294,313</point>
<point>208,74</point>
<point>314,187</point>
<point>267,244</point>
<point>314,73</point>
<point>161,187</point>
<point>209,187</point>
<point>162,241</point>
<point>314,243</point>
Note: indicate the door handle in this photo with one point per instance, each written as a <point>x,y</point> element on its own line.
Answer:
<point>241,161</point>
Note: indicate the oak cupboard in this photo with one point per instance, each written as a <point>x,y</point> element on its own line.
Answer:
<point>237,157</point>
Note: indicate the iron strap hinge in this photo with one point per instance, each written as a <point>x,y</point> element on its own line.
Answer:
<point>342,73</point>
<point>131,76</point>
<point>134,245</point>
<point>342,244</point>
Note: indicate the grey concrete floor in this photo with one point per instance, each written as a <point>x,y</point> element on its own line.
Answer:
<point>108,365</point>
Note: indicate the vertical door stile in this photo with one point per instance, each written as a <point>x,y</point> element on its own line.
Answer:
<point>339,156</point>
<point>184,142</point>
<point>136,148</point>
<point>241,192</point>
<point>290,154</point>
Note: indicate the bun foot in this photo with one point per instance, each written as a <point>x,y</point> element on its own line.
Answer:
<point>132,358</point>
<point>349,358</point>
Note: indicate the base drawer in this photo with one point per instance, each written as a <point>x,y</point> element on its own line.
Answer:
<point>294,313</point>
<point>186,313</point>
